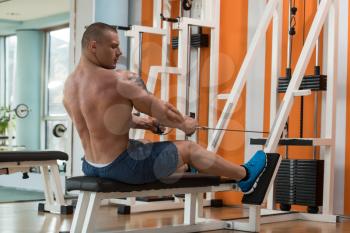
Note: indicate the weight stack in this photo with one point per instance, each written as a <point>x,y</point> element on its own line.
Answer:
<point>300,182</point>
<point>285,182</point>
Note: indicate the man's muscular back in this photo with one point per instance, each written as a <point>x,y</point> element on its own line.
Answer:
<point>100,113</point>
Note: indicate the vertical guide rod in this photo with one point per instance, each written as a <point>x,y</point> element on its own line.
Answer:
<point>140,54</point>
<point>317,72</point>
<point>289,64</point>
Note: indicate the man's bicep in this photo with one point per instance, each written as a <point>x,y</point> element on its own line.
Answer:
<point>146,104</point>
<point>142,100</point>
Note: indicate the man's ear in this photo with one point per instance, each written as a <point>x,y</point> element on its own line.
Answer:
<point>92,46</point>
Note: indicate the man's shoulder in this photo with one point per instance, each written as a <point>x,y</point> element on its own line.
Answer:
<point>131,85</point>
<point>126,74</point>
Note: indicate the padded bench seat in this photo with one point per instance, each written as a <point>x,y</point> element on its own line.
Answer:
<point>19,156</point>
<point>94,189</point>
<point>97,184</point>
<point>187,180</point>
<point>22,161</point>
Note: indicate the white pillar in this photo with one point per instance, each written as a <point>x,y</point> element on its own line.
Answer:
<point>340,135</point>
<point>254,119</point>
<point>82,14</point>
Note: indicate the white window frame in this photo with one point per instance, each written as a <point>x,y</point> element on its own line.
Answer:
<point>45,98</point>
<point>3,74</point>
<point>2,71</point>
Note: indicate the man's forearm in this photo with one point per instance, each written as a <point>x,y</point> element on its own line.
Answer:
<point>165,113</point>
<point>139,122</point>
<point>168,115</point>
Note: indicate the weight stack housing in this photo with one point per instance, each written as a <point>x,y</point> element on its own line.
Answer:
<point>300,182</point>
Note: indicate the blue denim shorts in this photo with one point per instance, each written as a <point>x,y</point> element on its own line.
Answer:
<point>139,164</point>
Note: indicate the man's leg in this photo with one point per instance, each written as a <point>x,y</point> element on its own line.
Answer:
<point>206,161</point>
<point>182,169</point>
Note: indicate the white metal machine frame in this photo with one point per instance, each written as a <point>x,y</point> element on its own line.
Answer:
<point>89,202</point>
<point>273,12</point>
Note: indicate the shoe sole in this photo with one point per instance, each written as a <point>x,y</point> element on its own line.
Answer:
<point>257,179</point>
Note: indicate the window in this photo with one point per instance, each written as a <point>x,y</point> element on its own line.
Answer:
<point>58,66</point>
<point>10,69</point>
<point>2,71</point>
<point>56,72</point>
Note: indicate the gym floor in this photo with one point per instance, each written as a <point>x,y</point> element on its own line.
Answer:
<point>24,218</point>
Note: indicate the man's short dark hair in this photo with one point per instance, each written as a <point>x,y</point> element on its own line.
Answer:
<point>95,31</point>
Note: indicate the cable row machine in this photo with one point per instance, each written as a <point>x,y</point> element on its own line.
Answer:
<point>93,191</point>
<point>296,86</point>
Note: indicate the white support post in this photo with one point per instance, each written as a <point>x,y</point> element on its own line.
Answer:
<point>91,211</point>
<point>57,185</point>
<point>164,91</point>
<point>207,10</point>
<point>254,218</point>
<point>157,9</point>
<point>332,66</point>
<point>297,77</point>
<point>190,208</point>
<point>134,54</point>
<point>214,65</point>
<point>199,206</point>
<point>275,74</point>
<point>241,78</point>
<point>253,223</point>
<point>194,86</point>
<point>82,13</point>
<point>47,186</point>
<point>276,59</point>
<point>211,9</point>
<point>183,51</point>
<point>80,212</point>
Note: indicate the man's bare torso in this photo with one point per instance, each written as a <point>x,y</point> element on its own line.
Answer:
<point>100,113</point>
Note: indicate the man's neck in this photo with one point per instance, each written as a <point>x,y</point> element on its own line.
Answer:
<point>88,60</point>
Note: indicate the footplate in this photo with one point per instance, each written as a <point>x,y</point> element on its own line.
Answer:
<point>257,197</point>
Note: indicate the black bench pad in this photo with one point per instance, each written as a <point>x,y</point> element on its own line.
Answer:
<point>20,156</point>
<point>97,184</point>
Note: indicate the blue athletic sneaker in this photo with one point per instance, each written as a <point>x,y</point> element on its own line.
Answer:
<point>255,167</point>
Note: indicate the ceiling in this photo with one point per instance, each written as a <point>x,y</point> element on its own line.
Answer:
<point>22,10</point>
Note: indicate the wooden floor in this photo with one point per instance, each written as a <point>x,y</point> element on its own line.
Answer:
<point>24,218</point>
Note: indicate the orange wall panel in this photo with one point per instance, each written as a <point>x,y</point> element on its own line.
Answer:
<point>233,47</point>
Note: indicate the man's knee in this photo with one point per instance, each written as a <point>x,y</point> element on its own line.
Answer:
<point>187,149</point>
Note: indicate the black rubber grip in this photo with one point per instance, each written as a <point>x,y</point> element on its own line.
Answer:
<point>159,131</point>
<point>123,28</point>
<point>171,20</point>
